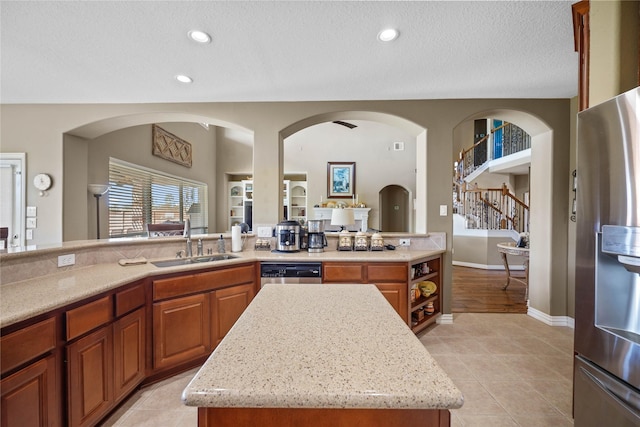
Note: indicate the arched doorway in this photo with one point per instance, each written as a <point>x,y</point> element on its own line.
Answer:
<point>548,288</point>
<point>394,209</point>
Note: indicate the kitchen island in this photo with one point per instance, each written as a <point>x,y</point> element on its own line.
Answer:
<point>287,363</point>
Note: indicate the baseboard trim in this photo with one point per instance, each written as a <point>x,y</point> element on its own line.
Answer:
<point>445,319</point>
<point>552,320</point>
<point>518,267</point>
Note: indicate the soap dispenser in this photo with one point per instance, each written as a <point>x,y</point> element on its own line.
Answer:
<point>221,245</point>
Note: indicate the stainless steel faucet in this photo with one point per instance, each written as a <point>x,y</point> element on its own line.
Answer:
<point>200,250</point>
<point>187,234</point>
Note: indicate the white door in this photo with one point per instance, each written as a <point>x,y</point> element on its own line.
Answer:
<point>12,196</point>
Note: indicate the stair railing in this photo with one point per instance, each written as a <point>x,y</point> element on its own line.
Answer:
<point>509,137</point>
<point>492,209</point>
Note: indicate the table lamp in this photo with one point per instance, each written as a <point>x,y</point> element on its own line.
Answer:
<point>342,217</point>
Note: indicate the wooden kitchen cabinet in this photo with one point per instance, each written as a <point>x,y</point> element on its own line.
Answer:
<point>106,353</point>
<point>30,396</point>
<point>226,307</point>
<point>181,330</point>
<point>90,377</point>
<point>193,312</point>
<point>129,352</point>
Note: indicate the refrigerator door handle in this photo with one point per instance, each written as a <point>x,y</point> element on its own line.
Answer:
<point>615,392</point>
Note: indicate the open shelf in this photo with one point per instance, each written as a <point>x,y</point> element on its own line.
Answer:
<point>419,271</point>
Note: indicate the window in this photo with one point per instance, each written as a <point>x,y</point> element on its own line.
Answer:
<point>141,196</point>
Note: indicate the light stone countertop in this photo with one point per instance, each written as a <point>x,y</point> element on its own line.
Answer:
<point>321,346</point>
<point>25,299</point>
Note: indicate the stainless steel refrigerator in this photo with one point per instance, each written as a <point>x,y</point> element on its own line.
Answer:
<point>607,334</point>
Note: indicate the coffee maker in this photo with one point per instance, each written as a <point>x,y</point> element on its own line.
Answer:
<point>316,240</point>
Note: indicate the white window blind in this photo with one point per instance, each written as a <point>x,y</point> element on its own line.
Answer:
<point>141,196</point>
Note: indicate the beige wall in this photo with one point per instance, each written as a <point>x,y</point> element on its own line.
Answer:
<point>613,67</point>
<point>437,118</point>
<point>481,252</point>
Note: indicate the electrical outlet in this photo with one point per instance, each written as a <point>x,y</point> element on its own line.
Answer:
<point>65,260</point>
<point>265,232</point>
<point>443,210</point>
<point>32,222</point>
<point>405,242</point>
<point>29,234</point>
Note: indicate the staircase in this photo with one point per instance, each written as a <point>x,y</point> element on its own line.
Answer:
<point>490,208</point>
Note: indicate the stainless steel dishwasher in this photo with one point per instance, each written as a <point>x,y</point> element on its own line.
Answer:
<point>290,272</point>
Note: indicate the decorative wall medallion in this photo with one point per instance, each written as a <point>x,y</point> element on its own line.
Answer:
<point>170,147</point>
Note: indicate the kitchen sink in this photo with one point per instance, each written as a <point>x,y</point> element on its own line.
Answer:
<point>193,260</point>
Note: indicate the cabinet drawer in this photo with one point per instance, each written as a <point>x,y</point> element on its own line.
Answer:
<point>387,272</point>
<point>166,288</point>
<point>226,277</point>
<point>26,344</point>
<point>342,272</point>
<point>83,319</point>
<point>130,299</point>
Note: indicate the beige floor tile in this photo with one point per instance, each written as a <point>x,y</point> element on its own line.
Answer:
<point>519,398</point>
<point>558,393</point>
<point>487,421</point>
<point>454,367</point>
<point>530,367</point>
<point>151,418</point>
<point>477,400</point>
<point>543,421</point>
<point>436,345</point>
<point>466,345</point>
<point>489,367</point>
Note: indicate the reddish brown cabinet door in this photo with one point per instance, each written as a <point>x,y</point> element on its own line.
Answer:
<point>396,294</point>
<point>90,377</point>
<point>227,306</point>
<point>128,352</point>
<point>181,330</point>
<point>29,396</point>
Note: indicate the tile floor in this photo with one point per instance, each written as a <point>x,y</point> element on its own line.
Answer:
<point>512,369</point>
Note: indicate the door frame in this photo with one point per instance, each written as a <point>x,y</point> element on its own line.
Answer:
<point>19,162</point>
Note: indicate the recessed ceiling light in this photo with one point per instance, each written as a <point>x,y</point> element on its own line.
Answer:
<point>184,79</point>
<point>199,36</point>
<point>388,35</point>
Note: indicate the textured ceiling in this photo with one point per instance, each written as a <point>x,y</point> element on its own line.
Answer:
<point>130,51</point>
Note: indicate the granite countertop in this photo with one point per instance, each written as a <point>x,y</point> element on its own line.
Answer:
<point>28,298</point>
<point>321,346</point>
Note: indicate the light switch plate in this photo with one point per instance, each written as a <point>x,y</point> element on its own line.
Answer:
<point>29,234</point>
<point>31,223</point>
<point>443,210</point>
<point>31,211</point>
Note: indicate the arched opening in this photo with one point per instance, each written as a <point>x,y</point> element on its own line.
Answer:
<point>378,167</point>
<point>547,248</point>
<point>394,209</point>
<point>87,149</point>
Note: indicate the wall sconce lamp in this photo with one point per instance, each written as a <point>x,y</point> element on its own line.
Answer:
<point>98,190</point>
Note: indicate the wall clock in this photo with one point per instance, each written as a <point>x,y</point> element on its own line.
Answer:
<point>42,181</point>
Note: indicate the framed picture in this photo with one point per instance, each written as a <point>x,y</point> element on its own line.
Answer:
<point>341,180</point>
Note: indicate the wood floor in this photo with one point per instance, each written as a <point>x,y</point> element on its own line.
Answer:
<point>480,291</point>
